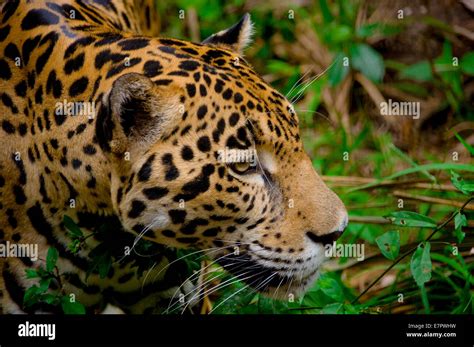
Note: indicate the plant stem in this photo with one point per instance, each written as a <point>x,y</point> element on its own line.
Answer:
<point>407,253</point>
<point>432,200</point>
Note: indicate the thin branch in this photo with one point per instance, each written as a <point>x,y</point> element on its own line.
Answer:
<point>382,220</point>
<point>404,255</point>
<point>433,200</point>
<point>349,181</point>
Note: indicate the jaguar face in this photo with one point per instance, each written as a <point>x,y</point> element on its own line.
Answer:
<point>216,163</point>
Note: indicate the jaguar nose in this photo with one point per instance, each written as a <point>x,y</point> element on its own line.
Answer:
<point>330,237</point>
<point>343,225</point>
<point>337,234</point>
<point>326,239</point>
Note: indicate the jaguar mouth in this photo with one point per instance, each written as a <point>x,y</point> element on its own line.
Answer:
<point>276,281</point>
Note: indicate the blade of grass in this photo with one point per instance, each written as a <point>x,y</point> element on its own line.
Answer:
<point>432,200</point>
<point>427,167</point>
<point>465,144</point>
<point>410,161</point>
<point>424,299</point>
<point>451,262</point>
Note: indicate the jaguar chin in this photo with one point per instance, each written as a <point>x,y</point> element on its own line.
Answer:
<point>276,278</point>
<point>279,276</point>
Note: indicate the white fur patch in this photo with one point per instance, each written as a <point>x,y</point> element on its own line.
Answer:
<point>110,309</point>
<point>246,33</point>
<point>160,221</point>
<point>267,161</point>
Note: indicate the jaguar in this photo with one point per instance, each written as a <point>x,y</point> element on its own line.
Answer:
<point>104,122</point>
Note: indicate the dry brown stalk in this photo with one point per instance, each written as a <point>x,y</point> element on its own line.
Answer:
<point>433,200</point>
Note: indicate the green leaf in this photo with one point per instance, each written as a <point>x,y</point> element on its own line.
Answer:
<point>101,260</point>
<point>466,187</point>
<point>331,288</point>
<point>316,298</point>
<point>389,244</point>
<point>72,227</point>
<point>74,246</point>
<point>449,73</point>
<point>31,296</point>
<point>51,259</point>
<point>31,273</point>
<point>371,29</point>
<point>327,16</point>
<point>49,298</point>
<point>347,12</point>
<point>349,309</point>
<point>332,308</point>
<point>338,71</point>
<point>411,219</point>
<point>459,222</point>
<point>368,30</point>
<point>280,67</point>
<point>104,266</point>
<point>467,63</point>
<point>420,264</point>
<point>368,61</point>
<point>417,90</point>
<point>44,285</point>
<point>419,72</point>
<point>42,272</point>
<point>340,33</point>
<point>72,307</point>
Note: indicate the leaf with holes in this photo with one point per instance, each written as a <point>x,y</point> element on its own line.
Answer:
<point>411,219</point>
<point>420,264</point>
<point>389,244</point>
<point>466,187</point>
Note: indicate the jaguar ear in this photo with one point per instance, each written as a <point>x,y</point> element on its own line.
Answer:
<point>136,111</point>
<point>235,38</point>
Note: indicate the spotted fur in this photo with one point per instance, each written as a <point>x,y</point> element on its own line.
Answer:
<point>147,161</point>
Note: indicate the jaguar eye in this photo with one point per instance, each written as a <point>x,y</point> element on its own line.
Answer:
<point>242,168</point>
